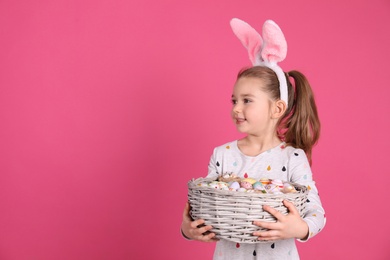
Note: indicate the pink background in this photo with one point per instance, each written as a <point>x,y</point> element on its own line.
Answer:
<point>108,108</point>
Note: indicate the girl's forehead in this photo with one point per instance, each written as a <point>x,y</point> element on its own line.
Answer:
<point>248,86</point>
<point>250,82</point>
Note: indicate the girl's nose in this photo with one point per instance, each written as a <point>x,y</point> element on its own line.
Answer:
<point>237,109</point>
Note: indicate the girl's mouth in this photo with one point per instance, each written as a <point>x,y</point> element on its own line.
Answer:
<point>240,120</point>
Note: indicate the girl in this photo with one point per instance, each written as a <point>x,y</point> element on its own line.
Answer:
<point>281,125</point>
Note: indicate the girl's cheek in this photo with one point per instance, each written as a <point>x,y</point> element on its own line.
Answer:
<point>232,113</point>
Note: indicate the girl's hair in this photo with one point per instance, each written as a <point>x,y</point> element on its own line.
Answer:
<point>300,125</point>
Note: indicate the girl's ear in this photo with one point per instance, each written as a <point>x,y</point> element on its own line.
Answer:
<point>279,109</point>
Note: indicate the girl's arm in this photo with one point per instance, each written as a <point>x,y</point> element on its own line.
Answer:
<point>301,174</point>
<point>286,226</point>
<point>292,225</point>
<point>195,230</point>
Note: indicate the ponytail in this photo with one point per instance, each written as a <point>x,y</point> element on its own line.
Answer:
<point>300,125</point>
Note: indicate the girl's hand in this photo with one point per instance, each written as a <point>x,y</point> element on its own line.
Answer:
<point>286,226</point>
<point>196,230</point>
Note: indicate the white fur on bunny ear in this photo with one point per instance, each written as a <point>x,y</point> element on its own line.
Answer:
<point>249,37</point>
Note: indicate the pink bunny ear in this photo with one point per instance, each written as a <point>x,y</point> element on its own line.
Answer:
<point>249,37</point>
<point>275,45</point>
<point>266,51</point>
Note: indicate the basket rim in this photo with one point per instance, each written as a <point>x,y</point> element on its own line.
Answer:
<point>192,185</point>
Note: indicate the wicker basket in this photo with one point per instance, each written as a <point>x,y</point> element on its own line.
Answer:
<point>232,213</point>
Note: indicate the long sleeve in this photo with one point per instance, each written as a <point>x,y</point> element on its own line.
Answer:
<point>300,173</point>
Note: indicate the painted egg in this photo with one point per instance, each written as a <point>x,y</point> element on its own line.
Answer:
<point>222,185</point>
<point>258,186</point>
<point>288,188</point>
<point>278,182</point>
<point>214,185</point>
<point>271,188</point>
<point>234,185</point>
<point>246,185</point>
<point>250,180</point>
<point>265,181</point>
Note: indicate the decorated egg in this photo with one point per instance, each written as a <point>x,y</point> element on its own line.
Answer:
<point>278,183</point>
<point>258,186</point>
<point>241,190</point>
<point>222,185</point>
<point>265,181</point>
<point>288,188</point>
<point>234,185</point>
<point>214,184</point>
<point>250,180</point>
<point>271,188</point>
<point>246,185</point>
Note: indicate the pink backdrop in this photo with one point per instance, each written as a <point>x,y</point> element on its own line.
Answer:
<point>108,108</point>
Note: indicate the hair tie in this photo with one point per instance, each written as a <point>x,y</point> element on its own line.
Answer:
<point>264,51</point>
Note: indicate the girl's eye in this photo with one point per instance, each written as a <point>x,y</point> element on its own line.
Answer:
<point>234,101</point>
<point>246,100</point>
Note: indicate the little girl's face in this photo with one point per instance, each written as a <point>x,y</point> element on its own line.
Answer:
<point>252,107</point>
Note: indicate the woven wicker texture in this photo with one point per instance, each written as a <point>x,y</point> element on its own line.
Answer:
<point>232,213</point>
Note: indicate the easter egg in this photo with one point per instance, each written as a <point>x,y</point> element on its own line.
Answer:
<point>234,185</point>
<point>288,188</point>
<point>265,181</point>
<point>214,185</point>
<point>250,180</point>
<point>246,185</point>
<point>278,183</point>
<point>258,186</point>
<point>271,188</point>
<point>222,185</point>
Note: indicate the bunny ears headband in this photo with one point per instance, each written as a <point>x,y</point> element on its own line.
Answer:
<point>264,51</point>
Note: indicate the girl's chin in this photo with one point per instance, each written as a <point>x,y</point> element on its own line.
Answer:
<point>240,129</point>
